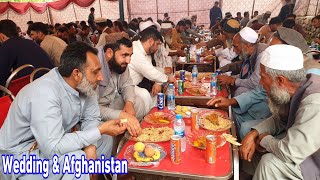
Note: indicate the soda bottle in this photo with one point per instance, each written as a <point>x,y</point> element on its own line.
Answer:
<point>179,129</point>
<point>195,75</point>
<point>171,104</point>
<point>213,85</point>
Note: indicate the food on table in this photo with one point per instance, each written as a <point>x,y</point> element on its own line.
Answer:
<point>196,91</point>
<point>209,58</point>
<point>148,153</point>
<point>200,142</point>
<point>155,134</point>
<point>206,75</point>
<point>188,75</point>
<point>139,147</point>
<point>122,121</point>
<point>183,110</point>
<point>188,84</point>
<point>231,139</point>
<point>159,118</point>
<point>214,122</point>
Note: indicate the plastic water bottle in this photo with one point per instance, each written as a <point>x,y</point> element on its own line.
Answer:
<point>213,85</point>
<point>179,129</point>
<point>195,75</point>
<point>171,102</point>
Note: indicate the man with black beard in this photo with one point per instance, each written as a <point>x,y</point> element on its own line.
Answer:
<point>289,136</point>
<point>42,116</point>
<point>117,95</point>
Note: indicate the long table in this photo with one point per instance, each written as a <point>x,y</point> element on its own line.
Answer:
<point>193,163</point>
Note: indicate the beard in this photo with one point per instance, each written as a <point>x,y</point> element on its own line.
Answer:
<point>86,88</point>
<point>278,98</point>
<point>168,39</point>
<point>244,54</point>
<point>116,67</point>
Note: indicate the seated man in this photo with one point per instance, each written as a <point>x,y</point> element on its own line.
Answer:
<point>16,51</point>
<point>249,77</point>
<point>141,66</point>
<point>266,31</point>
<point>296,111</point>
<point>117,98</point>
<point>41,118</point>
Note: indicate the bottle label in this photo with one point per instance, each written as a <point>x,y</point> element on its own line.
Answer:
<point>170,97</point>
<point>180,133</point>
<point>194,74</point>
<point>213,84</point>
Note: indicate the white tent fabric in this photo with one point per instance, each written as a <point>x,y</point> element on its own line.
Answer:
<point>177,9</point>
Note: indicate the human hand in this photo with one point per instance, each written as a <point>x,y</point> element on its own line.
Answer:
<point>222,102</point>
<point>112,127</point>
<point>226,80</point>
<point>248,146</point>
<point>156,88</point>
<point>133,125</point>
<point>168,70</point>
<point>129,108</point>
<point>259,139</point>
<point>91,152</point>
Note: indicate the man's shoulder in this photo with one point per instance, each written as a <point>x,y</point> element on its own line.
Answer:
<point>55,40</point>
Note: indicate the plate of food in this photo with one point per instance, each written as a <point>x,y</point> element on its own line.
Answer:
<point>188,85</point>
<point>196,91</point>
<point>152,134</point>
<point>159,118</point>
<point>204,75</point>
<point>144,154</point>
<point>214,121</point>
<point>197,139</point>
<point>185,111</point>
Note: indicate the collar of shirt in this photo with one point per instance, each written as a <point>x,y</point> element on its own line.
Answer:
<point>140,48</point>
<point>64,83</point>
<point>105,29</point>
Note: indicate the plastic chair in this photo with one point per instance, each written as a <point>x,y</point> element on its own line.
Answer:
<point>5,103</point>
<point>17,84</point>
<point>33,74</point>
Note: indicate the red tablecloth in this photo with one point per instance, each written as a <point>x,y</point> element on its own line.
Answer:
<point>193,159</point>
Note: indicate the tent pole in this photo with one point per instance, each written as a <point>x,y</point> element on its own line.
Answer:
<point>157,9</point>
<point>254,2</point>
<point>30,14</point>
<point>129,10</point>
<point>121,10</point>
<point>307,8</point>
<point>188,8</point>
<point>74,10</point>
<point>50,15</point>
<point>7,14</point>
<point>316,12</point>
<point>100,8</point>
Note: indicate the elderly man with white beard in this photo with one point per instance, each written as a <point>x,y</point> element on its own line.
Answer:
<point>289,136</point>
<point>41,118</point>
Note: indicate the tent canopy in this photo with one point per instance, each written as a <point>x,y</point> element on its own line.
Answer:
<point>62,11</point>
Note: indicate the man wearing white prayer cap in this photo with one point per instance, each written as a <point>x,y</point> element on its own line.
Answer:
<point>246,46</point>
<point>145,24</point>
<point>290,137</point>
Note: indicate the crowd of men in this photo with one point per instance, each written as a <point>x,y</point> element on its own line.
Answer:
<point>105,71</point>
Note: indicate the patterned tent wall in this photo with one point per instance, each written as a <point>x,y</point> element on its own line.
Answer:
<point>186,8</point>
<point>73,12</point>
<point>307,8</point>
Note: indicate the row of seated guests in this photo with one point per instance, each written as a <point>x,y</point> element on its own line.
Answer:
<point>276,89</point>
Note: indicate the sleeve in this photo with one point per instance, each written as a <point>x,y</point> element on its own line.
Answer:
<point>302,139</point>
<point>127,87</point>
<point>253,80</point>
<point>47,126</point>
<point>247,99</point>
<point>142,66</point>
<point>108,113</point>
<point>271,125</point>
<point>234,67</point>
<point>5,65</point>
<point>226,53</point>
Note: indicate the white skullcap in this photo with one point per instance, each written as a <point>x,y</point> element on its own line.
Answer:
<point>157,25</point>
<point>145,25</point>
<point>166,26</point>
<point>282,57</point>
<point>268,12</point>
<point>100,20</point>
<point>249,35</point>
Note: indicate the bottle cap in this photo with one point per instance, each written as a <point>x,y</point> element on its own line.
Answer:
<point>179,116</point>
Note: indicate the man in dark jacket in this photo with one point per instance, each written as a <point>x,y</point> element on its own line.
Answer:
<point>215,12</point>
